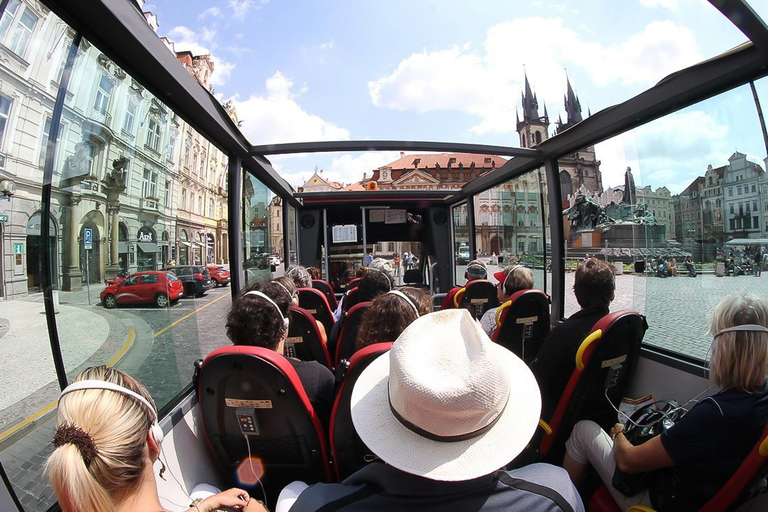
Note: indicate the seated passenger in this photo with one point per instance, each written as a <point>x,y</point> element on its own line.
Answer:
<point>702,450</point>
<point>475,270</point>
<point>594,286</point>
<point>510,281</point>
<point>314,272</point>
<point>290,288</point>
<point>444,411</point>
<point>259,318</point>
<point>300,276</point>
<point>374,280</point>
<point>105,443</point>
<point>390,314</point>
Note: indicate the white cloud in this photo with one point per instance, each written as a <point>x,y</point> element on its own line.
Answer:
<point>671,151</point>
<point>241,7</point>
<point>213,12</point>
<point>666,4</point>
<point>349,168</point>
<point>487,81</point>
<point>276,116</point>
<point>186,39</point>
<point>327,46</point>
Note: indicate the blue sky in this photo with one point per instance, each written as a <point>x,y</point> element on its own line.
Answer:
<point>452,71</point>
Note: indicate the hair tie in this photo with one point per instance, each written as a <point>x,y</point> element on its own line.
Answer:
<point>67,433</point>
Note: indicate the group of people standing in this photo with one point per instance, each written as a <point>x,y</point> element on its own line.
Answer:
<point>446,411</point>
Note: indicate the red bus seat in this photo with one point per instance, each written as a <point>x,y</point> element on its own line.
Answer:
<point>304,340</point>
<point>254,389</point>
<point>613,346</point>
<point>316,304</point>
<point>523,323</point>
<point>348,451</point>
<point>350,325</point>
<point>477,297</point>
<point>325,287</point>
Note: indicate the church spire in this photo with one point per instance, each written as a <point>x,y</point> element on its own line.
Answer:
<point>530,103</point>
<point>572,104</point>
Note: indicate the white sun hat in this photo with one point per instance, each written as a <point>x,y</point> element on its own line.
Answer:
<point>448,403</point>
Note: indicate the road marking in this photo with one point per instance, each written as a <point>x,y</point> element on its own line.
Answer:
<point>214,301</point>
<point>112,362</point>
<point>26,421</point>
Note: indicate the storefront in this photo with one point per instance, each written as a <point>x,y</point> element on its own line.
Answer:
<point>33,252</point>
<point>184,247</point>
<point>122,248</point>
<point>148,249</point>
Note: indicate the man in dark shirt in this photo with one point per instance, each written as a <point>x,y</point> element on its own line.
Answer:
<point>259,318</point>
<point>594,287</point>
<point>444,410</point>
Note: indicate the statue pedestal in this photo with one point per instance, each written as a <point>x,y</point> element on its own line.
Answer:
<point>636,236</point>
<point>587,239</point>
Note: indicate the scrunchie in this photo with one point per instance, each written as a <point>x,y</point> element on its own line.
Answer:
<point>67,433</point>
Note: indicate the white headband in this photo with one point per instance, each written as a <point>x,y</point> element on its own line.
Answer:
<point>263,296</point>
<point>102,384</point>
<point>409,301</point>
<point>504,284</point>
<point>744,327</point>
<point>284,288</point>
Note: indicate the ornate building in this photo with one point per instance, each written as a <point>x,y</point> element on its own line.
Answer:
<point>580,170</point>
<point>434,171</point>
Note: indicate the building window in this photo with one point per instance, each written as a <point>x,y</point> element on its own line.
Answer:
<point>733,224</point>
<point>16,27</point>
<point>753,188</point>
<point>5,110</point>
<point>44,140</point>
<point>183,199</point>
<point>153,135</point>
<point>738,190</point>
<point>194,164</point>
<point>130,115</point>
<point>200,205</point>
<point>167,196</point>
<point>192,203</point>
<point>210,208</point>
<point>730,192</point>
<point>149,184</point>
<point>187,149</point>
<point>755,223</point>
<point>731,208</point>
<point>103,93</point>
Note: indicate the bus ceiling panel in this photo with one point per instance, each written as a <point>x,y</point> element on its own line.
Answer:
<point>391,145</point>
<point>119,29</point>
<point>375,198</point>
<point>675,92</point>
<point>741,14</point>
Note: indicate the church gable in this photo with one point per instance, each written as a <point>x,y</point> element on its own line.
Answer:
<point>416,178</point>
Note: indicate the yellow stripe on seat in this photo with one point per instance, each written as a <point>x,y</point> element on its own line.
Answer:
<point>583,347</point>
<point>456,298</point>
<point>499,310</point>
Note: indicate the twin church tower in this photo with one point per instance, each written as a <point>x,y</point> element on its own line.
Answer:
<point>579,171</point>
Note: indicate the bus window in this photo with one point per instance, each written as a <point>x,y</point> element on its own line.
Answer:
<point>460,241</point>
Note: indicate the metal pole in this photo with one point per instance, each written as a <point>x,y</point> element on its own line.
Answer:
<point>88,274</point>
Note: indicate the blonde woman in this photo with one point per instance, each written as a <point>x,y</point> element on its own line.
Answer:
<point>705,447</point>
<point>106,441</point>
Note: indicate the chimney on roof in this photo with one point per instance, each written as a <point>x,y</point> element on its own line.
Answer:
<point>364,175</point>
<point>402,154</point>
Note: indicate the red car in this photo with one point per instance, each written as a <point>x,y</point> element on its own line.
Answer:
<point>219,274</point>
<point>149,286</point>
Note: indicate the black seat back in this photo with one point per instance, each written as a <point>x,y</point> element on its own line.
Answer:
<point>323,286</point>
<point>478,297</point>
<point>351,321</point>
<point>523,323</point>
<point>316,304</point>
<point>348,451</point>
<point>304,341</point>
<point>256,390</point>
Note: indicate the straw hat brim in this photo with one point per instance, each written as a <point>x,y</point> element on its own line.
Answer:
<point>447,461</point>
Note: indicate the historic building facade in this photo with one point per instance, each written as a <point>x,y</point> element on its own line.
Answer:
<point>744,198</point>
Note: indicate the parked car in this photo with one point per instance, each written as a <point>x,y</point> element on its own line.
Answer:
<point>143,287</point>
<point>275,260</point>
<point>195,278</point>
<point>219,274</point>
<point>462,257</point>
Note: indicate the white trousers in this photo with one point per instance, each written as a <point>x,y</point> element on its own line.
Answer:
<point>590,444</point>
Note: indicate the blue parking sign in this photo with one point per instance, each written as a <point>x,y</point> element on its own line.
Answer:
<point>88,238</point>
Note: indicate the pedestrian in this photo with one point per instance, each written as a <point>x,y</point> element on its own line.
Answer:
<point>397,265</point>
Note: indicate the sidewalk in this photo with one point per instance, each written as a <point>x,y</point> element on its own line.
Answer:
<point>27,374</point>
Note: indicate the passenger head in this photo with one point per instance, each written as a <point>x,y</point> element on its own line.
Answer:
<point>594,284</point>
<point>390,313</point>
<point>360,272</point>
<point>375,282</point>
<point>475,270</point>
<point>314,272</point>
<point>513,279</point>
<point>257,321</point>
<point>102,446</point>
<point>740,357</point>
<point>289,287</point>
<point>446,403</point>
<point>300,276</point>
